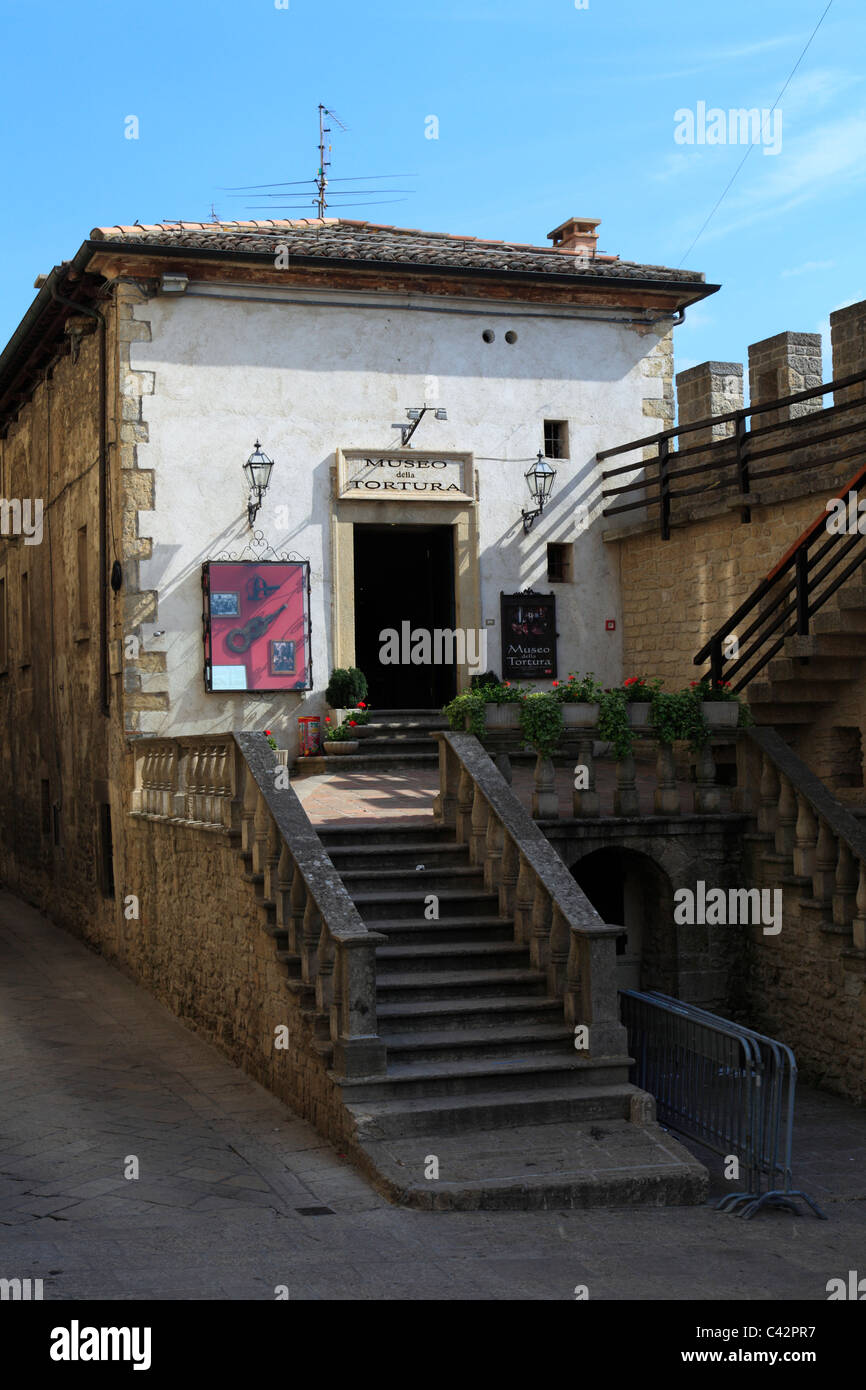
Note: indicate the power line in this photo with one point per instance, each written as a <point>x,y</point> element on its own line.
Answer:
<point>754,142</point>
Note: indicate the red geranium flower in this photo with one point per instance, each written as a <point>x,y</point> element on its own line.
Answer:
<point>327,719</point>
<point>556,682</point>
<point>361,704</point>
<point>353,722</point>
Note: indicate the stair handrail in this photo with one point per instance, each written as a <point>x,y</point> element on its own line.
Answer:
<point>799,591</point>
<point>566,937</point>
<point>335,946</point>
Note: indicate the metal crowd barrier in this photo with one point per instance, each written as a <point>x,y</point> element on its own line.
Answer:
<point>726,1086</point>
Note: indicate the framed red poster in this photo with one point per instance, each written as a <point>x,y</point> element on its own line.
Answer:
<point>257,625</point>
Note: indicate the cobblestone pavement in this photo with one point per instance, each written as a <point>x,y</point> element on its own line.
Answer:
<point>94,1072</point>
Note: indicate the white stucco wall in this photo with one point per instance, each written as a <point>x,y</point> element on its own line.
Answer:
<point>305,378</point>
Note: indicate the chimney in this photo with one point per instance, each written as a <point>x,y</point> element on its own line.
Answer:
<point>577,236</point>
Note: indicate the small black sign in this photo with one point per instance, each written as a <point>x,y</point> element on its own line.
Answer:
<point>528,635</point>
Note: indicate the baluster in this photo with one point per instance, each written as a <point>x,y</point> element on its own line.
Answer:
<point>285,869</point>
<point>192,783</point>
<point>625,798</point>
<point>465,797</point>
<point>560,941</point>
<point>845,892</point>
<point>272,859</point>
<point>745,796</point>
<point>178,791</point>
<point>222,785</point>
<point>542,916</point>
<point>524,897</point>
<point>826,855</point>
<point>860,917</point>
<point>261,823</point>
<point>310,932</point>
<point>508,876</point>
<point>545,803</point>
<point>787,819</point>
<point>248,813</point>
<point>768,811</point>
<point>585,800</point>
<point>493,847</point>
<point>667,794</point>
<point>325,991</point>
<point>577,1000</point>
<point>146,764</point>
<point>708,800</point>
<point>805,838</point>
<point>445,802</point>
<point>478,828</point>
<point>297,908</point>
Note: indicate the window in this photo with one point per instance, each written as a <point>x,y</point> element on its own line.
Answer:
<point>83,595</point>
<point>556,439</point>
<point>558,564</point>
<point>25,619</point>
<point>106,851</point>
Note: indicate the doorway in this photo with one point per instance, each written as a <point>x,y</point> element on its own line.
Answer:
<point>404,574</point>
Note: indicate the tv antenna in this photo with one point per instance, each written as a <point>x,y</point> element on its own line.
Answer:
<point>321,182</point>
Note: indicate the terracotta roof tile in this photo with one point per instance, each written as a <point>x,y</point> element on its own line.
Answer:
<point>337,239</point>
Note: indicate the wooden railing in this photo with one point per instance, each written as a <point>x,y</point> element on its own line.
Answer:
<point>808,825</point>
<point>553,918</point>
<point>232,784</point>
<point>747,456</point>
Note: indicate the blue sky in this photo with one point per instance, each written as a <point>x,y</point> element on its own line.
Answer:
<point>545,110</point>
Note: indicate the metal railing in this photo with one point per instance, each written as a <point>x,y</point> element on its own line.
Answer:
<point>798,585</point>
<point>726,1086</point>
<point>736,462</point>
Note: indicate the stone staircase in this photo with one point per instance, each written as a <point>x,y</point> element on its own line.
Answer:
<point>482,1073</point>
<point>812,672</point>
<point>393,740</point>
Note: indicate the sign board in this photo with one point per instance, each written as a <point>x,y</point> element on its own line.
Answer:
<point>257,625</point>
<point>528,635</point>
<point>403,475</point>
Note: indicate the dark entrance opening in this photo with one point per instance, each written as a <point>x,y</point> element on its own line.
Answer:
<point>405,574</point>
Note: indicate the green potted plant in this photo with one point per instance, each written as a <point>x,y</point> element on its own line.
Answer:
<point>721,707</point>
<point>677,716</point>
<point>282,753</point>
<point>613,722</point>
<point>541,721</point>
<point>502,702</point>
<point>346,688</point>
<point>579,698</point>
<point>340,740</point>
<point>639,693</point>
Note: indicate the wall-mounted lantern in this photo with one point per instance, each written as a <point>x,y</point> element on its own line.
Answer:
<point>540,479</point>
<point>258,470</point>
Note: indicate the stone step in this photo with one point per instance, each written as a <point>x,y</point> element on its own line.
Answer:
<point>475,1077</point>
<point>362,762</point>
<point>851,620</point>
<point>469,955</point>
<point>442,1014</point>
<point>783,715</point>
<point>394,834</point>
<point>795,692</point>
<point>491,1110</point>
<point>401,728</point>
<point>403,714</point>
<point>458,878</point>
<point>376,744</point>
<point>348,857</point>
<point>828,644</point>
<point>826,668</point>
<point>851,596</point>
<point>460,902</point>
<point>537,1167</point>
<point>399,987</point>
<point>409,931</point>
<point>510,1043</point>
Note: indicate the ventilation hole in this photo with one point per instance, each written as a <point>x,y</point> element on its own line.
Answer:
<point>511,336</point>
<point>488,335</point>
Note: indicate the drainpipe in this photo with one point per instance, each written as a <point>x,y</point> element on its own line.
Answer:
<point>104,683</point>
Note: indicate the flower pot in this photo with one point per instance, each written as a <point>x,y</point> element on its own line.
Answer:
<point>339,747</point>
<point>639,714</point>
<point>579,715</point>
<point>721,714</point>
<point>502,716</point>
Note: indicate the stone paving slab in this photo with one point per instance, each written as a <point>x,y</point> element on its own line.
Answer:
<point>126,1242</point>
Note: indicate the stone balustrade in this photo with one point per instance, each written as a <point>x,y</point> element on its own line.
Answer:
<point>802,821</point>
<point>552,916</point>
<point>230,784</point>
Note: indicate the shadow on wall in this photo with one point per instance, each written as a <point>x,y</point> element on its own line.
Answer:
<point>627,887</point>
